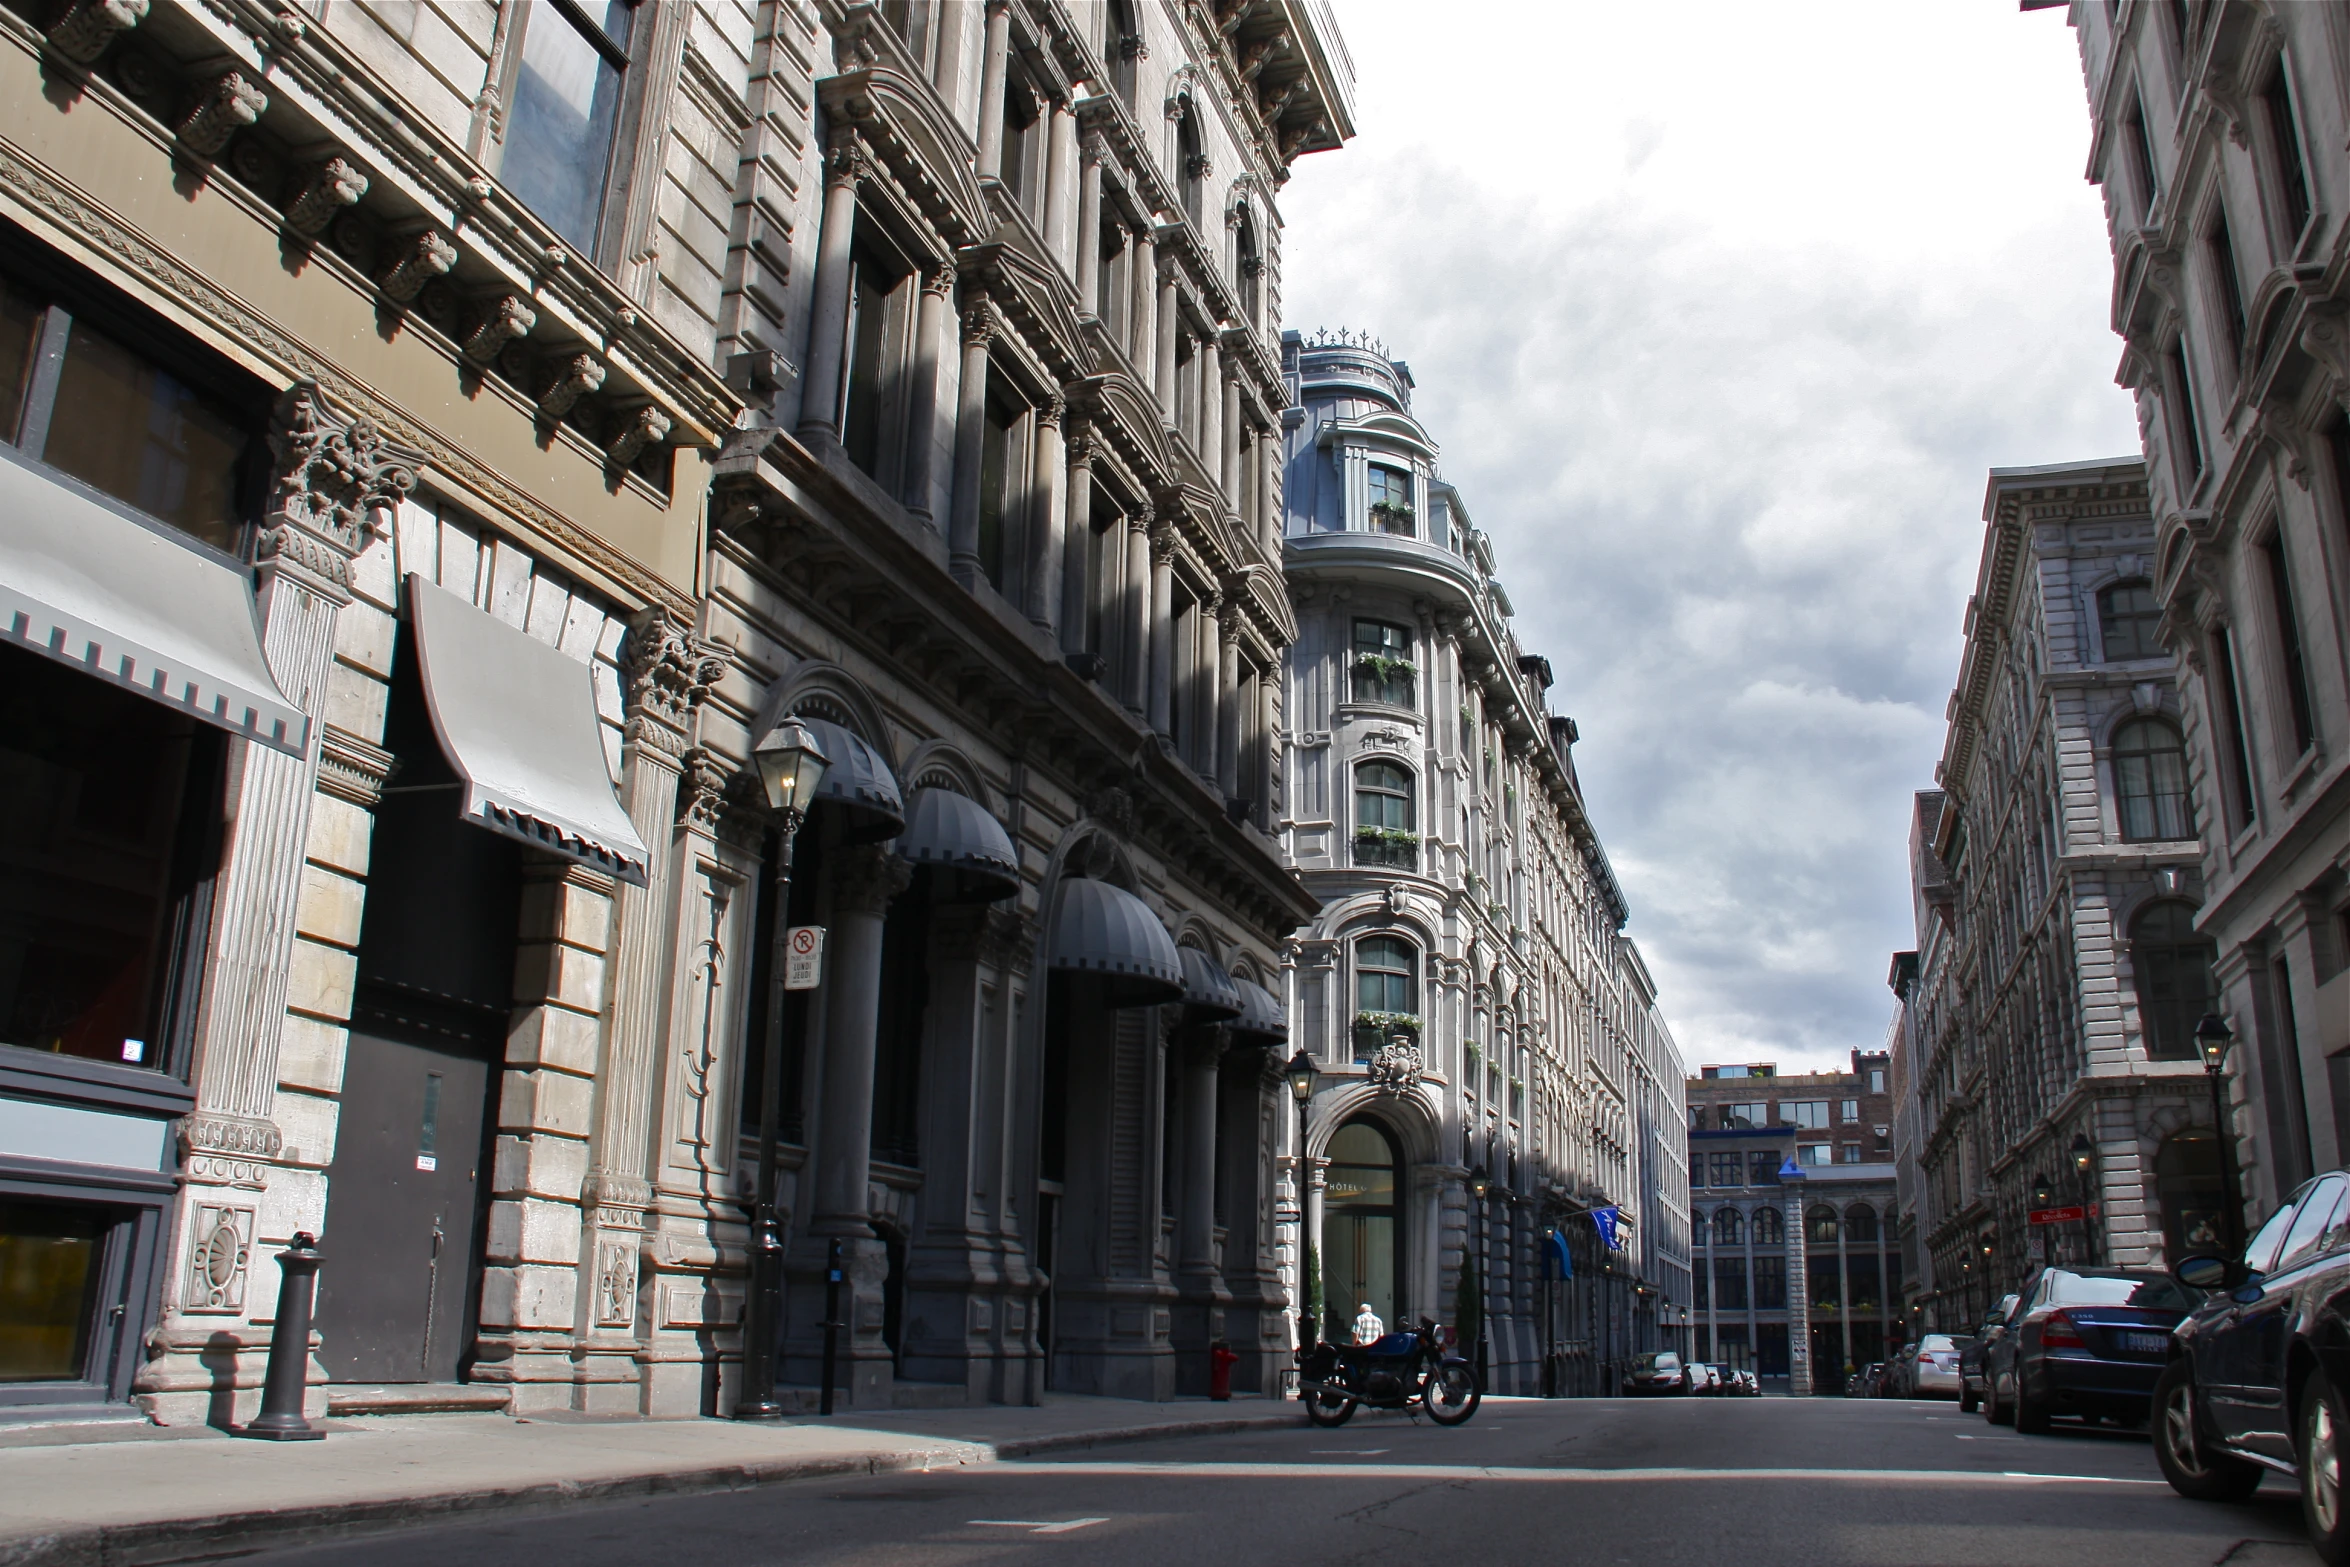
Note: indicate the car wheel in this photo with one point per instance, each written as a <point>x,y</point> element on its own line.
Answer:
<point>2194,1469</point>
<point>1968,1403</point>
<point>2031,1415</point>
<point>1995,1408</point>
<point>2324,1432</point>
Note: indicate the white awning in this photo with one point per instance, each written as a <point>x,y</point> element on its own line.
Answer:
<point>90,586</point>
<point>517,719</point>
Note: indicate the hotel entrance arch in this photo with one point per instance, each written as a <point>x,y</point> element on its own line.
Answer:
<point>1362,1228</point>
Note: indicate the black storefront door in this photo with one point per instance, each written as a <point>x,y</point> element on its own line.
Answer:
<point>403,1210</point>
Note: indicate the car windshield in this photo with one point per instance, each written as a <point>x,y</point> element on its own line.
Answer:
<point>1665,1361</point>
<point>1941,1343</point>
<point>2147,1291</point>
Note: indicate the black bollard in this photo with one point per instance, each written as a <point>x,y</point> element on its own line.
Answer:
<point>288,1377</point>
<point>831,1325</point>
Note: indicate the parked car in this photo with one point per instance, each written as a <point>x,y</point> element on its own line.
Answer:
<point>1745,1384</point>
<point>1863,1383</point>
<point>1971,1382</point>
<point>1659,1372</point>
<point>2251,1382</point>
<point>1706,1381</point>
<point>2085,1341</point>
<point>1931,1365</point>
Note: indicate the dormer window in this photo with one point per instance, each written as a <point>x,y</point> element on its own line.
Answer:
<point>1391,501</point>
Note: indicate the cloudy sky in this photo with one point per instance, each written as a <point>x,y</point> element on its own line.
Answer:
<point>1720,312</point>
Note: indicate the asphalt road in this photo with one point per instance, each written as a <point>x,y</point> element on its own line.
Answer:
<point>1711,1483</point>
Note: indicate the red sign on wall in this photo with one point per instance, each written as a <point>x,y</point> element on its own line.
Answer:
<point>2061,1215</point>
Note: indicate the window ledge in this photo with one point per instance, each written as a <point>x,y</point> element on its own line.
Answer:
<point>2310,766</point>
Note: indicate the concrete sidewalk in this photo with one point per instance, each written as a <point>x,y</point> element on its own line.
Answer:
<point>121,1498</point>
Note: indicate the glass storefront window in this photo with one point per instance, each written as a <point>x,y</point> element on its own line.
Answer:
<point>51,1260</point>
<point>106,807</point>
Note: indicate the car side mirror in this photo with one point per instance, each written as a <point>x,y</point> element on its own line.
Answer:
<point>2205,1270</point>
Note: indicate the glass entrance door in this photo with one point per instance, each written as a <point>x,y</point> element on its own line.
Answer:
<point>1361,1231</point>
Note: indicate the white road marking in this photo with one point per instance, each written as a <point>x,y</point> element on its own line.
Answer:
<point>1035,1526</point>
<point>1210,1471</point>
<point>1352,1452</point>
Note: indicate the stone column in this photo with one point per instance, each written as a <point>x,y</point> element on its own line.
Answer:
<point>1077,575</point>
<point>1047,521</point>
<point>1060,146</point>
<point>1208,418</point>
<point>1170,321</point>
<point>979,325</point>
<point>1229,428</point>
<point>1142,306</point>
<point>668,674</point>
<point>1195,1228</point>
<point>1135,613</point>
<point>1269,494</point>
<point>1089,226</point>
<point>994,58</point>
<point>1160,619</point>
<point>1232,702</point>
<point>844,167</point>
<point>334,482</point>
<point>1205,658</point>
<point>938,284</point>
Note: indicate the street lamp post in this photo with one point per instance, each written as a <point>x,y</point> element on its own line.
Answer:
<point>1301,1073</point>
<point>1477,1188</point>
<point>2084,1157</point>
<point>2212,1037</point>
<point>791,767</point>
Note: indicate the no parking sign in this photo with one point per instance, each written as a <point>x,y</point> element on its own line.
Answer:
<point>803,956</point>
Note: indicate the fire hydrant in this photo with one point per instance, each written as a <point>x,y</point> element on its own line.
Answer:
<point>1221,1360</point>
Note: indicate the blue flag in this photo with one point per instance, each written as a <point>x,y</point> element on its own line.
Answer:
<point>1607,1220</point>
<point>1558,1244</point>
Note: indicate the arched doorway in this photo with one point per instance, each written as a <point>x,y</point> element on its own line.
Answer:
<point>1362,1224</point>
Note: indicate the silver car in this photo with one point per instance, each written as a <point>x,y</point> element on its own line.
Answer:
<point>1937,1374</point>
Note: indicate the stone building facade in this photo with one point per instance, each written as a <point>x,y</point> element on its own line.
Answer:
<point>541,402</point>
<point>2218,146</point>
<point>2049,1010</point>
<point>1491,1053</point>
<point>1794,1244</point>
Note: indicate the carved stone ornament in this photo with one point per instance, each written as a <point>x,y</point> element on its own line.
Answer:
<point>867,878</point>
<point>701,789</point>
<point>334,481</point>
<point>616,1284</point>
<point>229,105</point>
<point>1113,808</point>
<point>220,1250</point>
<point>333,186</point>
<point>428,256</point>
<point>508,317</point>
<point>667,673</point>
<point>846,163</point>
<point>88,26</point>
<point>648,426</point>
<point>1396,1067</point>
<point>577,376</point>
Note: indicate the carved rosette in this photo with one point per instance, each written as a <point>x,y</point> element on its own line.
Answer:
<point>616,1262</point>
<point>220,1251</point>
<point>668,674</point>
<point>335,480</point>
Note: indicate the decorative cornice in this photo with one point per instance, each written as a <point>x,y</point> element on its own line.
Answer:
<point>336,479</point>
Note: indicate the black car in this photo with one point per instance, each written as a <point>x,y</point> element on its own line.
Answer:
<point>1972,1384</point>
<point>2087,1342</point>
<point>2256,1376</point>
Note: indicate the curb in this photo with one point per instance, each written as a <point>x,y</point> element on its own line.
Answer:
<point>155,1542</point>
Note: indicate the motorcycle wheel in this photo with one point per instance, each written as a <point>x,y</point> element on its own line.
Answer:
<point>1451,1394</point>
<point>1329,1409</point>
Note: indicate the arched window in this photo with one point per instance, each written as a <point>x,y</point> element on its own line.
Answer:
<point>1860,1223</point>
<point>1729,1228</point>
<point>1819,1226</point>
<point>2150,782</point>
<point>1191,162</point>
<point>2126,617</point>
<point>1387,977</point>
<point>2172,965</point>
<point>1384,819</point>
<point>1249,265</point>
<point>1769,1228</point>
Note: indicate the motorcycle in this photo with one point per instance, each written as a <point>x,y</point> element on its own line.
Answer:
<point>1396,1372</point>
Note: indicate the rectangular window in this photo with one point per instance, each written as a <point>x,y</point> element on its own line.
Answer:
<point>1876,1079</point>
<point>1751,1116</point>
<point>1851,1111</point>
<point>52,1267</point>
<point>2290,663</point>
<point>1814,1153</point>
<point>2284,140</point>
<point>1697,1172</point>
<point>1848,1153</point>
<point>2239,751</point>
<point>2338,450</point>
<point>2231,292</point>
<point>2186,424</point>
<point>1383,669</point>
<point>1762,1167</point>
<point>2138,147</point>
<point>1391,501</point>
<point>566,108</point>
<point>996,470</point>
<point>1810,1115</point>
<point>1730,1283</point>
<point>1770,1284</point>
<point>1827,1284</point>
<point>1700,1295</point>
<point>1725,1169</point>
<point>874,364</point>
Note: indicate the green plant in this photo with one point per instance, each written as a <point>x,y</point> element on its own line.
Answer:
<point>1393,511</point>
<point>1384,669</point>
<point>1402,838</point>
<point>1389,1022</point>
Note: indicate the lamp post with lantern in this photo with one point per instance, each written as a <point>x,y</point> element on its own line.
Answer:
<point>791,768</point>
<point>2212,1037</point>
<point>2084,1155</point>
<point>1302,1073</point>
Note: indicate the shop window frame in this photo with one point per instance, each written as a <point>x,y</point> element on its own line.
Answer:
<point>129,1281</point>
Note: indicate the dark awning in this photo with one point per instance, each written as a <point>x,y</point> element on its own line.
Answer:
<point>858,782</point>
<point>517,719</point>
<point>90,586</point>
<point>1261,1013</point>
<point>955,835</point>
<point>1099,929</point>
<point>1209,994</point>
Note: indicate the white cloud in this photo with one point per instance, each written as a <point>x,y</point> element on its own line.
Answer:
<point>1720,312</point>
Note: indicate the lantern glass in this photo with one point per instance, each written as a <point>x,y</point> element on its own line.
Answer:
<point>791,765</point>
<point>1301,1073</point>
